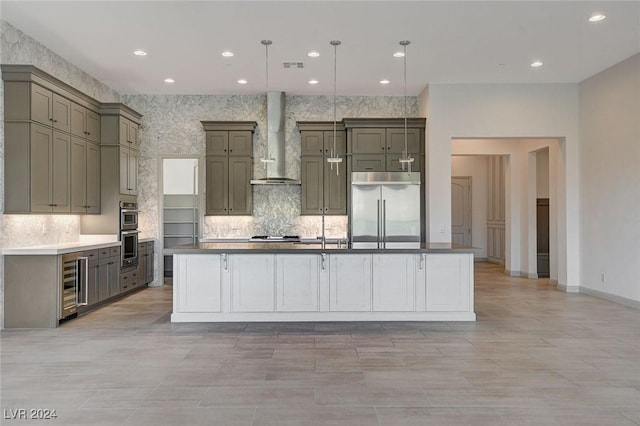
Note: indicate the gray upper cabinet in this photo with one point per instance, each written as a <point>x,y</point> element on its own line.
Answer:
<point>128,171</point>
<point>324,189</point>
<point>369,141</point>
<point>229,167</point>
<point>46,169</point>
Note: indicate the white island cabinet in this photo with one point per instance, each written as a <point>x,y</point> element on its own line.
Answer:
<point>321,285</point>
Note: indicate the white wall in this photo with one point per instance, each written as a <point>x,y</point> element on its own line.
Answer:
<point>610,179</point>
<point>178,176</point>
<point>476,167</point>
<point>508,111</point>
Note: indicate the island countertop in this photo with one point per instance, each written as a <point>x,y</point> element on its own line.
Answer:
<point>247,247</point>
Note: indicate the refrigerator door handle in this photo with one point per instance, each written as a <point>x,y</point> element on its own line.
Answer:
<point>384,223</point>
<point>378,224</point>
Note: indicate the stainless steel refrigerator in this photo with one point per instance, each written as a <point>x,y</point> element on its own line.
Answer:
<point>385,210</point>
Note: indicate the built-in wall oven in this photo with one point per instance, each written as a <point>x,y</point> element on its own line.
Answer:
<point>75,282</point>
<point>129,233</point>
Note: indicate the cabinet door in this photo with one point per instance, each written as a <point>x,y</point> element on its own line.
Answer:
<point>124,170</point>
<point>133,172</point>
<point>394,164</point>
<point>150,264</point>
<point>368,163</point>
<point>395,141</point>
<point>92,126</point>
<point>297,282</point>
<point>103,278</point>
<point>217,185</point>
<point>312,142</point>
<point>217,142</point>
<point>394,282</point>
<point>41,143</point>
<point>93,178</point>
<point>252,282</point>
<point>449,279</point>
<point>200,281</point>
<point>368,141</point>
<point>61,113</point>
<point>240,172</point>
<point>60,180</point>
<point>41,105</point>
<point>335,187</point>
<point>78,120</point>
<point>78,175</point>
<point>93,282</point>
<point>114,276</point>
<point>349,282</point>
<point>132,134</point>
<point>241,143</point>
<point>312,185</point>
<point>123,132</point>
<point>341,143</point>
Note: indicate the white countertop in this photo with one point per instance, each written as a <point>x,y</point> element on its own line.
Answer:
<point>64,248</point>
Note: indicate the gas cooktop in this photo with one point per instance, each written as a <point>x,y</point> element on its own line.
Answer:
<point>275,238</point>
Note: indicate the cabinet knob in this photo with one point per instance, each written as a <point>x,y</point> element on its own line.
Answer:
<point>51,119</point>
<point>55,121</point>
<point>383,148</point>
<point>230,150</point>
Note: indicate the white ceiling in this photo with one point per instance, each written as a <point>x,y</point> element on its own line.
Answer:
<point>451,42</point>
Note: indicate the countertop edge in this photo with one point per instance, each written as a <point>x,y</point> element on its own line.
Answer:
<point>64,248</point>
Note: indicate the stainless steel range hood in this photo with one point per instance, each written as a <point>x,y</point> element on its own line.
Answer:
<point>276,143</point>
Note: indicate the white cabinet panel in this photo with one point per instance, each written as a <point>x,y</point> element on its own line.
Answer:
<point>449,282</point>
<point>199,281</point>
<point>297,283</point>
<point>394,282</point>
<point>350,282</point>
<point>252,282</point>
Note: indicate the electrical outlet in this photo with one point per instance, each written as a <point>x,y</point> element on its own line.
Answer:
<point>603,277</point>
<point>442,229</point>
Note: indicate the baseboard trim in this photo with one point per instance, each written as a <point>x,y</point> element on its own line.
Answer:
<point>480,259</point>
<point>568,288</point>
<point>630,303</point>
<point>531,276</point>
<point>553,281</point>
<point>513,273</point>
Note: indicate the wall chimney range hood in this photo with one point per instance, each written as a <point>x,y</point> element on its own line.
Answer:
<point>275,143</point>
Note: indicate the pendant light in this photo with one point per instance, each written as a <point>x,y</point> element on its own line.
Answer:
<point>333,158</point>
<point>406,159</point>
<point>267,157</point>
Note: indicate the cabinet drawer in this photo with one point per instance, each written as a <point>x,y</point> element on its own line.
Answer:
<point>393,165</point>
<point>91,254</point>
<point>114,251</point>
<point>149,246</point>
<point>368,163</point>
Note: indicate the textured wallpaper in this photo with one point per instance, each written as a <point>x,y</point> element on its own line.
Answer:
<point>171,125</point>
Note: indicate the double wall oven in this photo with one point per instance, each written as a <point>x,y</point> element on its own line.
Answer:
<point>129,233</point>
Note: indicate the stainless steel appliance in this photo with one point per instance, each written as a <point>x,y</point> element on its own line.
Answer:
<point>128,215</point>
<point>385,210</point>
<point>75,282</point>
<point>129,233</point>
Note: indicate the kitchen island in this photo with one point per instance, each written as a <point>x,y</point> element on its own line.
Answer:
<point>244,281</point>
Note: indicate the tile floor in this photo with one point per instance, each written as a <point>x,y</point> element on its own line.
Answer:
<point>536,356</point>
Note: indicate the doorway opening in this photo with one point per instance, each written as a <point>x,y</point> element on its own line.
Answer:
<point>180,206</point>
<point>461,210</point>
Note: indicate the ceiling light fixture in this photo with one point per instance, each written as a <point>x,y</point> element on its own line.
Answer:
<point>385,81</point>
<point>227,54</point>
<point>398,54</point>
<point>313,81</point>
<point>313,54</point>
<point>267,157</point>
<point>140,53</point>
<point>536,64</point>
<point>242,81</point>
<point>597,17</point>
<point>169,80</point>
<point>406,159</point>
<point>333,158</point>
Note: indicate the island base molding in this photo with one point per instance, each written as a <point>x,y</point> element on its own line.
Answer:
<point>323,316</point>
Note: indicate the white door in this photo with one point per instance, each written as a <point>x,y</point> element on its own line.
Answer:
<point>199,277</point>
<point>461,210</point>
<point>350,282</point>
<point>394,282</point>
<point>297,282</point>
<point>252,282</point>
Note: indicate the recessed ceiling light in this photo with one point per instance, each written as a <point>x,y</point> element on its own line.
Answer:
<point>227,54</point>
<point>313,81</point>
<point>597,17</point>
<point>242,81</point>
<point>140,53</point>
<point>398,54</point>
<point>313,54</point>
<point>536,64</point>
<point>169,80</point>
<point>385,81</point>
